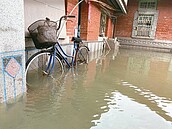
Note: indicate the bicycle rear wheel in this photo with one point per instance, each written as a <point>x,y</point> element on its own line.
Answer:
<point>82,55</point>
<point>36,66</point>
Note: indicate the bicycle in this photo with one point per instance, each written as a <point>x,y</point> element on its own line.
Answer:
<point>51,59</point>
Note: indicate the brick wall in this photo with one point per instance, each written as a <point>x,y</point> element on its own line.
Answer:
<point>84,20</point>
<point>94,22</point>
<point>164,29</point>
<point>125,22</point>
<point>90,21</point>
<point>72,23</point>
<point>109,28</point>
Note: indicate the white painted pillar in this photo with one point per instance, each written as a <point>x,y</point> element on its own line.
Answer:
<point>12,50</point>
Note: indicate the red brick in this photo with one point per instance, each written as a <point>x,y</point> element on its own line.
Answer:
<point>164,29</point>
<point>89,27</point>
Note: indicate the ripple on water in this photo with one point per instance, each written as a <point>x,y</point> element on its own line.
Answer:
<point>163,103</point>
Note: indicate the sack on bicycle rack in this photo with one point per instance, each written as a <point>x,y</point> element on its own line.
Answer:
<point>43,33</point>
<point>46,33</point>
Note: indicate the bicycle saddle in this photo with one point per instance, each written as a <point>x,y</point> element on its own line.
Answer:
<point>76,40</point>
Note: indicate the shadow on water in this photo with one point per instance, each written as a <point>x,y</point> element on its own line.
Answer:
<point>125,89</point>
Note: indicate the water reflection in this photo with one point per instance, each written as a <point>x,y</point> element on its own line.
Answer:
<point>128,114</point>
<point>147,76</point>
<point>165,104</point>
<point>125,89</point>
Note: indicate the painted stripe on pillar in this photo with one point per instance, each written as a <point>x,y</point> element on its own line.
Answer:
<point>5,94</point>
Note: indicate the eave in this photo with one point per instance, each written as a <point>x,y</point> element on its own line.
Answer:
<point>119,5</point>
<point>112,7</point>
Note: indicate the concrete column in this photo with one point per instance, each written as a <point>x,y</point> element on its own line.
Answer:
<point>12,50</point>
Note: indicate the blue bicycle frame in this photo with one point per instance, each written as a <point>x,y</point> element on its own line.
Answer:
<point>53,56</point>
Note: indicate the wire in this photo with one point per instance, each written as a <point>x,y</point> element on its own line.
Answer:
<point>69,14</point>
<point>75,7</point>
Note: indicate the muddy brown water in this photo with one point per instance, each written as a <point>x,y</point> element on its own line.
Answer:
<point>128,89</point>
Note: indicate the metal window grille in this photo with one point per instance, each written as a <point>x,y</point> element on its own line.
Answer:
<point>144,27</point>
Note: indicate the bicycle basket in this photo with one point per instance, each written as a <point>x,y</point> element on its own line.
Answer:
<point>43,33</point>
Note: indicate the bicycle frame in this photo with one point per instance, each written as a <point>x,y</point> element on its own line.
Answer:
<point>69,64</point>
<point>57,50</point>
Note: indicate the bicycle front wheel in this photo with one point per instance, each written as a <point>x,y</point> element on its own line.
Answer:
<point>82,55</point>
<point>36,66</point>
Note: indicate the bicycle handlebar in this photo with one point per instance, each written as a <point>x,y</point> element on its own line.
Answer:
<point>70,16</point>
<point>64,17</point>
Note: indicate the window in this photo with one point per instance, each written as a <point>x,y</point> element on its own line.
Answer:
<point>145,20</point>
<point>148,4</point>
<point>103,23</point>
<point>144,25</point>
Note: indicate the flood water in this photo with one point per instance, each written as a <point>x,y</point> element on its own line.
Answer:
<point>128,89</point>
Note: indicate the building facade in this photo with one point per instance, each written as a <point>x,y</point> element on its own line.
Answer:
<point>147,23</point>
<point>94,18</point>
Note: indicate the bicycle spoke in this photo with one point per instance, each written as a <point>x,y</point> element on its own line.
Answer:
<point>82,55</point>
<point>36,73</point>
